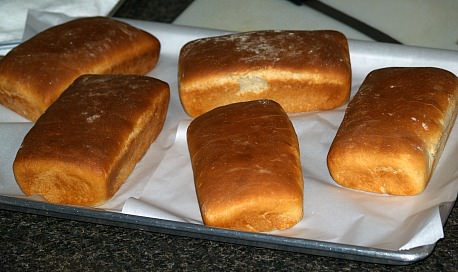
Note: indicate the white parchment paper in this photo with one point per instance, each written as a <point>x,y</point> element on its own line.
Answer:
<point>161,185</point>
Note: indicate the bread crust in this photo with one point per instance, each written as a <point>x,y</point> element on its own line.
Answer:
<point>301,70</point>
<point>86,144</point>
<point>36,72</point>
<point>394,130</point>
<point>246,164</point>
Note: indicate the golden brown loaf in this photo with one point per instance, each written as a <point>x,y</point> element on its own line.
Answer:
<point>37,71</point>
<point>301,70</point>
<point>86,144</point>
<point>247,171</point>
<point>394,130</point>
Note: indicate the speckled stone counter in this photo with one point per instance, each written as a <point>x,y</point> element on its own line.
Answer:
<point>41,243</point>
<point>30,242</point>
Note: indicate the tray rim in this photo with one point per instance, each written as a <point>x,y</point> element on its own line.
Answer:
<point>299,245</point>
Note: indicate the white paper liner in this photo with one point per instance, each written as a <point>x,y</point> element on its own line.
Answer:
<point>161,185</point>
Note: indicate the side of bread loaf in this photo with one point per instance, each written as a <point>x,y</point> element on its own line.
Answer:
<point>301,70</point>
<point>394,130</point>
<point>247,171</point>
<point>86,144</point>
<point>37,71</point>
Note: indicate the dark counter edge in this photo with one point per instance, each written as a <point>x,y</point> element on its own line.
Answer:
<point>318,248</point>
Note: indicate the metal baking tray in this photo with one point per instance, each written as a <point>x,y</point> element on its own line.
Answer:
<point>306,246</point>
<point>321,248</point>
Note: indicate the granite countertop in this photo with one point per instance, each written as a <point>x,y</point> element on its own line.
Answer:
<point>45,243</point>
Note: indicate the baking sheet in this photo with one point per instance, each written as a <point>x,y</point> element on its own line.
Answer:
<point>355,224</point>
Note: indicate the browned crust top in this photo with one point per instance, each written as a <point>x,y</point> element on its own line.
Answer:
<point>48,62</point>
<point>394,130</point>
<point>92,120</point>
<point>245,156</point>
<point>402,103</point>
<point>287,50</point>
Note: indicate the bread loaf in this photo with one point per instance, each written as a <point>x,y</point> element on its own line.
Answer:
<point>36,72</point>
<point>301,70</point>
<point>394,130</point>
<point>86,144</point>
<point>247,171</point>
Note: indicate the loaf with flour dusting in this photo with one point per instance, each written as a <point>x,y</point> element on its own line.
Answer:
<point>36,72</point>
<point>394,130</point>
<point>83,148</point>
<point>301,70</point>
